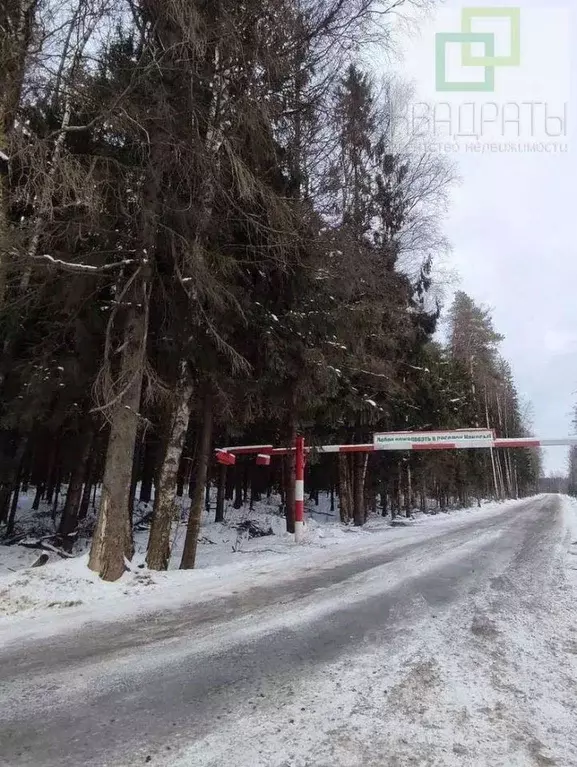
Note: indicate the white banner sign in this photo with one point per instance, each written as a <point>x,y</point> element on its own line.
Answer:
<point>405,440</point>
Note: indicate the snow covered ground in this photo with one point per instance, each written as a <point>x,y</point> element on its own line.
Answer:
<point>492,683</point>
<point>228,559</point>
<point>449,642</point>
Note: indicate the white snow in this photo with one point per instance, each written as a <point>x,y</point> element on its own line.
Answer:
<point>75,267</point>
<point>475,685</point>
<point>478,687</point>
<point>47,598</point>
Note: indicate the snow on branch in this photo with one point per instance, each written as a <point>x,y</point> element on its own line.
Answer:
<point>83,268</point>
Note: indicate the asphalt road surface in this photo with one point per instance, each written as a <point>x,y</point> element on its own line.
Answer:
<point>140,691</point>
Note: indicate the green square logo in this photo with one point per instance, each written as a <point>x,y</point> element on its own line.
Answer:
<point>514,17</point>
<point>443,40</point>
<point>466,37</point>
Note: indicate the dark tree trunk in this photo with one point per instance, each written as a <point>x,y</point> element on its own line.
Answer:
<point>230,485</point>
<point>192,473</point>
<point>180,479</point>
<point>238,486</point>
<point>150,458</point>
<point>245,483</point>
<point>423,494</point>
<point>13,509</point>
<point>393,498</point>
<point>112,541</point>
<point>202,458</point>
<point>4,502</point>
<point>220,494</point>
<point>89,475</point>
<point>11,489</point>
<point>52,472</point>
<point>185,476</point>
<point>399,503</point>
<point>158,553</point>
<point>136,460</point>
<point>282,482</point>
<point>384,501</point>
<point>360,470</point>
<point>37,497</point>
<point>70,514</point>
<point>345,489</point>
<point>409,492</point>
<point>57,488</point>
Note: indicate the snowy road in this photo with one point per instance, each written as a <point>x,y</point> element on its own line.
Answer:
<point>457,647</point>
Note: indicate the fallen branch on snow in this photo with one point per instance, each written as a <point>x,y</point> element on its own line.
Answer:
<point>44,546</point>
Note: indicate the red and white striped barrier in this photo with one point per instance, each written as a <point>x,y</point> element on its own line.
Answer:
<point>299,488</point>
<point>403,441</point>
<point>521,442</point>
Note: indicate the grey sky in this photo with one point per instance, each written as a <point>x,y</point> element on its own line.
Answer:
<point>512,226</point>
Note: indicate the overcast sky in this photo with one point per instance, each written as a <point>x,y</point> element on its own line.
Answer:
<point>513,219</point>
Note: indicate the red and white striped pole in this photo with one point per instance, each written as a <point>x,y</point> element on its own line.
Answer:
<point>299,488</point>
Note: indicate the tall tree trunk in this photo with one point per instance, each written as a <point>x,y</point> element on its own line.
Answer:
<point>360,461</point>
<point>17,23</point>
<point>89,476</point>
<point>184,476</point>
<point>384,499</point>
<point>230,483</point>
<point>238,476</point>
<point>409,496</point>
<point>158,553</point>
<point>345,489</point>
<point>149,465</point>
<point>423,495</point>
<point>392,497</point>
<point>220,493</point>
<point>245,482</point>
<point>11,473</point>
<point>136,462</point>
<point>52,470</point>
<point>19,462</point>
<point>202,458</point>
<point>69,520</point>
<point>112,540</point>
<point>56,499</point>
<point>502,488</point>
<point>37,496</point>
<point>13,508</point>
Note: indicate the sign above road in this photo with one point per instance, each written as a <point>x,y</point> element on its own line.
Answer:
<point>409,440</point>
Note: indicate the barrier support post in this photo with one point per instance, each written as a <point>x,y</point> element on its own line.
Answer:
<point>299,488</point>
